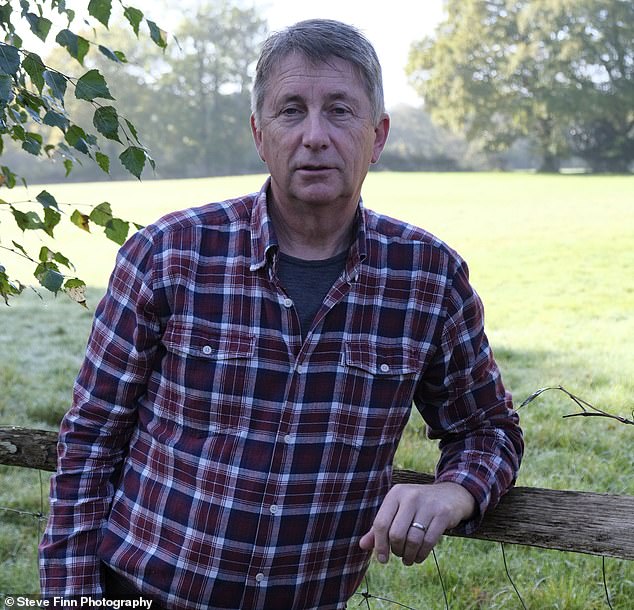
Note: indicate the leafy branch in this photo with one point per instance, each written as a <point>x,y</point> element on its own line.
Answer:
<point>32,104</point>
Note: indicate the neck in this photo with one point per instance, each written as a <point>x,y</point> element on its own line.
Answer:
<point>311,232</point>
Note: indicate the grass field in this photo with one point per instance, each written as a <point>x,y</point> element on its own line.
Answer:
<point>552,258</point>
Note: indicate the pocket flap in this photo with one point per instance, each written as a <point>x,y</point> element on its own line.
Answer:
<point>381,358</point>
<point>217,343</point>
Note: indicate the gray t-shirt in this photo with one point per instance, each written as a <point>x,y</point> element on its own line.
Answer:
<point>307,282</point>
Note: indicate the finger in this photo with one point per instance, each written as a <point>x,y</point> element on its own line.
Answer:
<point>414,543</point>
<point>367,541</point>
<point>399,530</point>
<point>381,528</point>
<point>433,534</point>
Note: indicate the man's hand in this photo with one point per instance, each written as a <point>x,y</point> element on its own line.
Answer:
<point>433,508</point>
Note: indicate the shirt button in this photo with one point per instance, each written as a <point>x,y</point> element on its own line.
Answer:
<point>207,350</point>
<point>301,369</point>
<point>385,368</point>
<point>288,303</point>
<point>274,509</point>
<point>288,439</point>
<point>259,577</point>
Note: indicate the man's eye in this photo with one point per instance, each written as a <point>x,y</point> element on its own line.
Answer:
<point>340,111</point>
<point>290,112</point>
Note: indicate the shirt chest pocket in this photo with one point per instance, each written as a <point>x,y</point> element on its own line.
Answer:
<point>207,374</point>
<point>376,395</point>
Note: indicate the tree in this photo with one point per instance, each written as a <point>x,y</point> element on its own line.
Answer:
<point>544,69</point>
<point>33,113</point>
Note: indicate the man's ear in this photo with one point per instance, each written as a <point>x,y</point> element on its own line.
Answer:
<point>257,137</point>
<point>380,137</point>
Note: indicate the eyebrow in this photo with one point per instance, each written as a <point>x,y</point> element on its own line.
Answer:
<point>331,97</point>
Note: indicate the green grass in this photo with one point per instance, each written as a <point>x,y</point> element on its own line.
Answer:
<point>552,258</point>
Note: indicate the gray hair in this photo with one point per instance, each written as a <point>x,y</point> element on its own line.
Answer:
<point>320,40</point>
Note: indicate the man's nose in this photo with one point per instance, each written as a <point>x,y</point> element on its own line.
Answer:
<point>315,134</point>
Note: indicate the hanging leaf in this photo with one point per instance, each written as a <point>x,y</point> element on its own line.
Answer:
<point>55,119</point>
<point>134,16</point>
<point>9,59</point>
<point>51,220</point>
<point>106,120</point>
<point>32,143</point>
<point>47,200</point>
<point>100,10</point>
<point>34,67</point>
<point>158,35</point>
<point>40,26</point>
<point>76,290</point>
<point>103,161</point>
<point>56,83</point>
<point>133,159</point>
<point>77,138</point>
<point>101,214</point>
<point>68,166</point>
<point>76,46</point>
<point>91,86</point>
<point>117,230</point>
<point>116,56</point>
<point>6,89</point>
<point>80,220</point>
<point>50,279</point>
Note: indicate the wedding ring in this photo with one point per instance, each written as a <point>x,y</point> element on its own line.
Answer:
<point>419,526</point>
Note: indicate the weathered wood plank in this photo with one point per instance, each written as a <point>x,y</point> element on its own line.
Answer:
<point>584,522</point>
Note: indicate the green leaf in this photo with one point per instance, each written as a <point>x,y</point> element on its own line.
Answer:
<point>76,290</point>
<point>47,200</point>
<point>100,10</point>
<point>32,143</point>
<point>158,35</point>
<point>68,166</point>
<point>6,89</point>
<point>117,230</point>
<point>40,26</point>
<point>8,177</point>
<point>133,130</point>
<point>55,119</point>
<point>9,59</point>
<point>47,255</point>
<point>27,221</point>
<point>133,159</point>
<point>50,279</point>
<point>80,220</point>
<point>34,67</point>
<point>116,56</point>
<point>103,161</point>
<point>77,137</point>
<point>51,220</point>
<point>106,120</point>
<point>91,86</point>
<point>101,214</point>
<point>56,83</point>
<point>76,46</point>
<point>134,16</point>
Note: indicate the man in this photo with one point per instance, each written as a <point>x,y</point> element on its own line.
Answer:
<point>253,365</point>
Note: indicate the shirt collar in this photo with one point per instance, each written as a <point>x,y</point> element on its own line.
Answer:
<point>264,242</point>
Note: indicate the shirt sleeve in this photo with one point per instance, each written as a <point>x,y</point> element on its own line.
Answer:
<point>96,430</point>
<point>466,407</point>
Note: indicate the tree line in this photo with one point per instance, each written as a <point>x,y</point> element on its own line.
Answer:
<point>503,83</point>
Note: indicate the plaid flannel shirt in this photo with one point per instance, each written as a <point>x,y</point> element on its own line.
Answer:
<point>220,461</point>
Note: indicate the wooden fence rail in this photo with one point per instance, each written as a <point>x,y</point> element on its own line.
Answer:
<point>584,522</point>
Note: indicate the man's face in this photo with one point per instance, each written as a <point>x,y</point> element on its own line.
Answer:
<point>316,133</point>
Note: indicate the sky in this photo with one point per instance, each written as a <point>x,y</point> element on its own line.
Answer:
<point>391,27</point>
